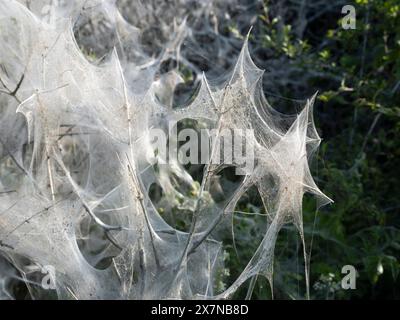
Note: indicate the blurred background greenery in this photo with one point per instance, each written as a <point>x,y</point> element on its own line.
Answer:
<point>357,75</point>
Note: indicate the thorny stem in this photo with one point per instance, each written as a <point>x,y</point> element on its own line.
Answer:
<point>207,169</point>
<point>217,220</point>
<point>204,182</point>
<point>131,169</point>
<point>139,196</point>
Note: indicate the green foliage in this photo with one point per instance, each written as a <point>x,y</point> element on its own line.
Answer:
<point>357,74</point>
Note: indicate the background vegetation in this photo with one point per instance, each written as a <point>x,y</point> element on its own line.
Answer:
<point>357,75</point>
